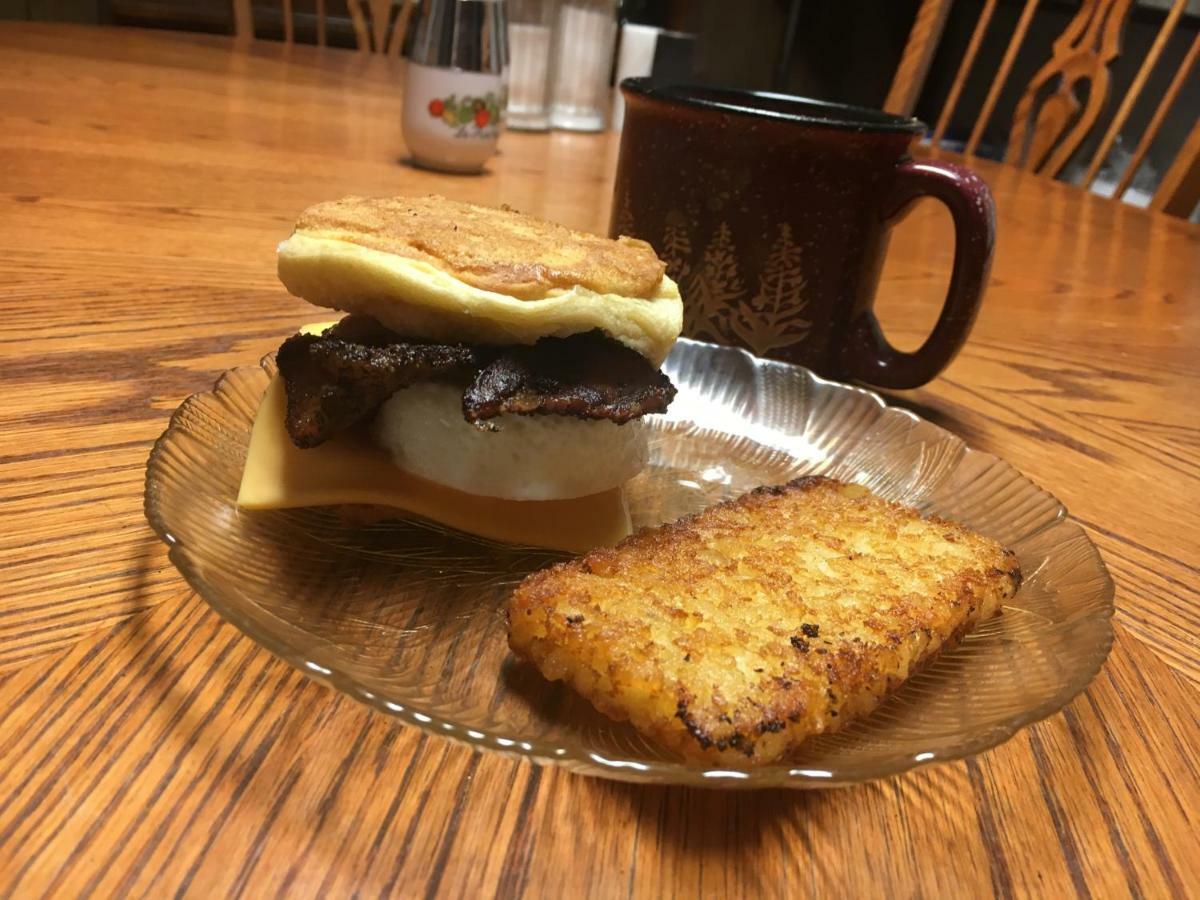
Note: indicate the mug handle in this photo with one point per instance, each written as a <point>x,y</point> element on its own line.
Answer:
<point>867,355</point>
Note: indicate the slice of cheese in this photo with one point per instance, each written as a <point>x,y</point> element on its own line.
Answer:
<point>351,470</point>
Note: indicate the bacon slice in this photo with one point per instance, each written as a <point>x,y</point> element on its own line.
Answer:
<point>588,376</point>
<point>337,380</point>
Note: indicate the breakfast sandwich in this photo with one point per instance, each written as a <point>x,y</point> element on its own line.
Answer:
<point>733,635</point>
<point>491,375</point>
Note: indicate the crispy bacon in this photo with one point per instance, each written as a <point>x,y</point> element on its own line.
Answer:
<point>589,376</point>
<point>338,379</point>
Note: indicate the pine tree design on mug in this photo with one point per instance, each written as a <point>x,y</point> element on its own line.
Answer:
<point>675,250</point>
<point>624,224</point>
<point>714,290</point>
<point>774,317</point>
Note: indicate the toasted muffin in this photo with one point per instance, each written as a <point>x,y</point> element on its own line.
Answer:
<point>440,270</point>
<point>733,635</point>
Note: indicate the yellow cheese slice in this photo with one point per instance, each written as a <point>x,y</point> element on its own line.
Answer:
<point>350,469</point>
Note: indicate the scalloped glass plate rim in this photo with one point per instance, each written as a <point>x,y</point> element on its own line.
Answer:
<point>313,665</point>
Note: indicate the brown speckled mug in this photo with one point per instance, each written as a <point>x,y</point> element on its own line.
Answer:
<point>773,213</point>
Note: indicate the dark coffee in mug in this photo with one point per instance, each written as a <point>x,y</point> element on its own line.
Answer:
<point>772,213</point>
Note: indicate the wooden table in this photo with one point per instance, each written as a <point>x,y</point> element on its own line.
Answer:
<point>149,748</point>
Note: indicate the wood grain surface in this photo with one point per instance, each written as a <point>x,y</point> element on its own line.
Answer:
<point>148,749</point>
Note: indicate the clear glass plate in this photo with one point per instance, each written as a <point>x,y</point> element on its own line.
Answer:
<point>407,617</point>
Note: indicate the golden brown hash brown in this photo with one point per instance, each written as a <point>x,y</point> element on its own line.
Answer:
<point>734,634</point>
<point>496,249</point>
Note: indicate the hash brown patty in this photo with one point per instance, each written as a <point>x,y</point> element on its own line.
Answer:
<point>733,635</point>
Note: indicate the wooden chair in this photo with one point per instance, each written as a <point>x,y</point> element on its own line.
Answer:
<point>382,13</point>
<point>1048,127</point>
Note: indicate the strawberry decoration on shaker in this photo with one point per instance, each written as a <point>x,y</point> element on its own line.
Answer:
<point>478,111</point>
<point>455,85</point>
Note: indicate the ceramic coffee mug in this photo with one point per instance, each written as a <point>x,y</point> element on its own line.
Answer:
<point>773,213</point>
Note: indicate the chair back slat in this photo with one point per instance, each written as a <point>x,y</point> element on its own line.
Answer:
<point>381,17</point>
<point>1135,91</point>
<point>1179,191</point>
<point>375,37</point>
<point>918,54</point>
<point>1151,132</point>
<point>243,20</point>
<point>993,94</point>
<point>964,69</point>
<point>396,41</point>
<point>359,23</point>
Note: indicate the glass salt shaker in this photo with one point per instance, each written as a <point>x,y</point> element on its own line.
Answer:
<point>583,58</point>
<point>530,41</point>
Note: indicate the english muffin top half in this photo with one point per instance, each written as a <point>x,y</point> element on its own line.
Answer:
<point>435,269</point>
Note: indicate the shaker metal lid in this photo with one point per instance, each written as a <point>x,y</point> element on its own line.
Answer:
<point>468,35</point>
